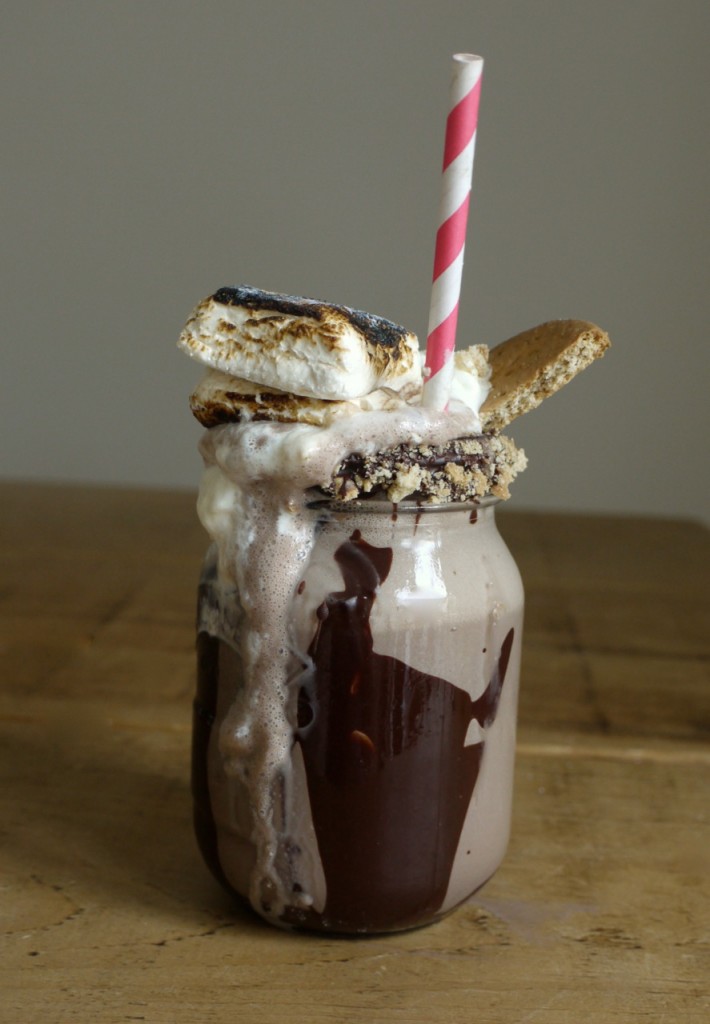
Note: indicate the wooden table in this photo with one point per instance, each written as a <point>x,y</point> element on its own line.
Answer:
<point>601,911</point>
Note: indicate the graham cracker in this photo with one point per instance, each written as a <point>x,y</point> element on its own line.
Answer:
<point>531,366</point>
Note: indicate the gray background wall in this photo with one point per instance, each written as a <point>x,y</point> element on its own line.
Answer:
<point>153,151</point>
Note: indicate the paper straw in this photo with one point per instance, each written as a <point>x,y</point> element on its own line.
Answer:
<point>459,147</point>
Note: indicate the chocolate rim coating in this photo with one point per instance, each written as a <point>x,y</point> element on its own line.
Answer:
<point>465,469</point>
<point>436,457</point>
<point>375,329</point>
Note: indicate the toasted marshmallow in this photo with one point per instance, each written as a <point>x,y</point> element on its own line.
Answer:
<point>221,398</point>
<point>301,346</point>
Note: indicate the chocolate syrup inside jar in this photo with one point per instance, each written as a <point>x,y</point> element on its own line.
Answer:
<point>393,804</point>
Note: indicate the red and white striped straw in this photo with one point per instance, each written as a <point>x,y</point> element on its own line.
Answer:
<point>459,147</point>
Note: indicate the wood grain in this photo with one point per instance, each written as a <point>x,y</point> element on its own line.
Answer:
<point>601,911</point>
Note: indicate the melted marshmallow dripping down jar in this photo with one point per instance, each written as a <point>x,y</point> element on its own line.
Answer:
<point>354,774</point>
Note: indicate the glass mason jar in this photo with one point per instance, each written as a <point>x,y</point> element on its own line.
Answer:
<point>393,805</point>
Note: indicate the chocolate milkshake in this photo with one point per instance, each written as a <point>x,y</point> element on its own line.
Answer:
<point>359,620</point>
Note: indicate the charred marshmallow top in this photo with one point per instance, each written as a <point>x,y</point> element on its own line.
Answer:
<point>298,345</point>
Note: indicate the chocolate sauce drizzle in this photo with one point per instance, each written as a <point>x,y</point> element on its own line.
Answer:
<point>389,775</point>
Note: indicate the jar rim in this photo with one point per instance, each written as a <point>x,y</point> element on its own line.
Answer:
<point>406,507</point>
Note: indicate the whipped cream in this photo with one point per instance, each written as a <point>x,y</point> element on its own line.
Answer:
<point>468,386</point>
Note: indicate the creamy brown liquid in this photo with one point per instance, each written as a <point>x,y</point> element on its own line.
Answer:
<point>389,777</point>
<point>387,754</point>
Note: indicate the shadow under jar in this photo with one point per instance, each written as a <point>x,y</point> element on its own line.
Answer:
<point>392,804</point>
